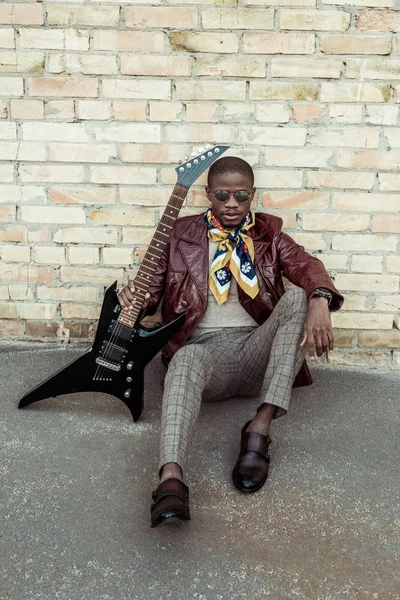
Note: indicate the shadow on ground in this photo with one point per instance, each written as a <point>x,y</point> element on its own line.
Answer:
<point>77,476</point>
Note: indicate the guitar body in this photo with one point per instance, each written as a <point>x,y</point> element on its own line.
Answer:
<point>114,365</point>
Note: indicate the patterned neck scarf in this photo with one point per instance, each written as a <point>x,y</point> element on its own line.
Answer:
<point>234,256</point>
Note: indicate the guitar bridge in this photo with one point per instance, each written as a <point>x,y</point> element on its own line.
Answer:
<point>107,364</point>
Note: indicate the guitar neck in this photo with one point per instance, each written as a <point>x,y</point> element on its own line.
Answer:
<point>154,252</point>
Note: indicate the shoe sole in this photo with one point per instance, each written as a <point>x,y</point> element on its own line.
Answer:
<point>167,520</point>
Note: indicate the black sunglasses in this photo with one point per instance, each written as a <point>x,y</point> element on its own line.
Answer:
<point>241,196</point>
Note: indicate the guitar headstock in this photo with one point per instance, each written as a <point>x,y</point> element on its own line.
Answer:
<point>199,162</point>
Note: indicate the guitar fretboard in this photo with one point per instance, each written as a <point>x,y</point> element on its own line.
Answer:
<point>154,252</point>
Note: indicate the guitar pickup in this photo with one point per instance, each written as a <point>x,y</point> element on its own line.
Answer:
<point>107,364</point>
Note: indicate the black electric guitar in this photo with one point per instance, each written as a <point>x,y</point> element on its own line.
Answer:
<point>122,347</point>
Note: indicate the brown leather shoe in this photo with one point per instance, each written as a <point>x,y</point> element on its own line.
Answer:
<point>171,502</point>
<point>251,469</point>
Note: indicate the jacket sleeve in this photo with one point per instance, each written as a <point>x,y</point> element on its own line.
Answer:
<point>305,270</point>
<point>157,286</point>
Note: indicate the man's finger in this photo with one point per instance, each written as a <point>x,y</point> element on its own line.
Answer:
<point>310,345</point>
<point>318,343</point>
<point>304,340</point>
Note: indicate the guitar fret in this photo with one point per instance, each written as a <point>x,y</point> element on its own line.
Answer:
<point>164,234</point>
<point>152,271</point>
<point>167,217</point>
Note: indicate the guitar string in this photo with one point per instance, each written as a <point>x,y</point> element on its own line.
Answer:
<point>118,327</point>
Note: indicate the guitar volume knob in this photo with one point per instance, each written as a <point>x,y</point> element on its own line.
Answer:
<point>129,365</point>
<point>127,393</point>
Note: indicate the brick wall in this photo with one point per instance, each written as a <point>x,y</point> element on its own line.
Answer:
<point>99,100</point>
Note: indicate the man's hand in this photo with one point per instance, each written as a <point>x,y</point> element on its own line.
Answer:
<point>318,332</point>
<point>126,297</point>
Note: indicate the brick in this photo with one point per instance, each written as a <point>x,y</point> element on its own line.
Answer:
<point>379,339</point>
<point>17,253</point>
<point>50,255</point>
<point>7,39</point>
<point>7,173</point>
<point>48,214</point>
<point>237,18</point>
<point>335,222</point>
<point>366,202</point>
<point>3,110</point>
<point>122,132</point>
<point>12,327</point>
<point>273,113</point>
<point>129,41</point>
<point>11,86</point>
<point>272,90</point>
<point>314,20</point>
<point>343,339</point>
<point>308,112</point>
<point>64,14</point>
<point>86,235</point>
<point>144,196</point>
<point>123,175</point>
<point>76,330</point>
<point>289,219</point>
<point>37,234</point>
<point>272,136</point>
<point>230,67</point>
<point>21,13</point>
<point>31,62</point>
<point>388,303</point>
<point>54,39</point>
<point>334,262</point>
<point>83,195</point>
<point>60,109</point>
<point>355,302</point>
<point>377,3</point>
<point>169,177</point>
<point>166,111</point>
<point>27,109</point>
<point>278,43</point>
<point>295,157</point>
<point>197,133</point>
<point>364,243</point>
<point>279,2</point>
<point>393,264</point>
<point>137,89</point>
<point>369,159</point>
<point>392,136</point>
<point>161,66</point>
<point>279,179</point>
<point>8,131</point>
<point>130,111</point>
<point>13,272</point>
<point>203,112</point>
<point>96,110</point>
<point>151,153</point>
<point>83,255</point>
<point>80,311</point>
<point>118,256</point>
<point>381,115</point>
<point>359,320</point>
<point>7,213</point>
<point>396,92</point>
<point>160,17</point>
<point>372,68</point>
<point>360,359</point>
<point>310,241</point>
<point>386,223</point>
<point>193,41</point>
<point>366,263</point>
<point>27,310</point>
<point>42,329</point>
<point>48,173</point>
<point>371,283</point>
<point>353,137</point>
<point>13,233</point>
<point>82,153</point>
<point>339,179</point>
<point>8,151</point>
<point>389,182</point>
<point>123,216</point>
<point>345,113</point>
<point>63,86</point>
<point>137,236</point>
<point>355,44</point>
<point>378,20</point>
<point>86,275</point>
<point>306,67</point>
<point>354,92</point>
<point>82,64</point>
<point>293,200</point>
<point>210,90</point>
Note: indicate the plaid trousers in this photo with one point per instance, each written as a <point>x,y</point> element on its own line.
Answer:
<point>235,361</point>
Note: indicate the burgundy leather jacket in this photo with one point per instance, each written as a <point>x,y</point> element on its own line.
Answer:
<point>181,279</point>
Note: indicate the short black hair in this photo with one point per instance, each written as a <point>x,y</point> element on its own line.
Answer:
<point>230,164</point>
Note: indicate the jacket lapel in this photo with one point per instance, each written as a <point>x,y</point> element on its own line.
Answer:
<point>260,235</point>
<point>193,245</point>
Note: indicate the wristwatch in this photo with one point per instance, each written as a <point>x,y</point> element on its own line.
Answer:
<point>323,293</point>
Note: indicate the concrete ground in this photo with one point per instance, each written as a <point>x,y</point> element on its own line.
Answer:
<point>77,476</point>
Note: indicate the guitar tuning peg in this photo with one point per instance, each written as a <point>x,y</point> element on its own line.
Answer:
<point>186,158</point>
<point>199,150</point>
<point>193,153</point>
<point>207,146</point>
<point>180,162</point>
